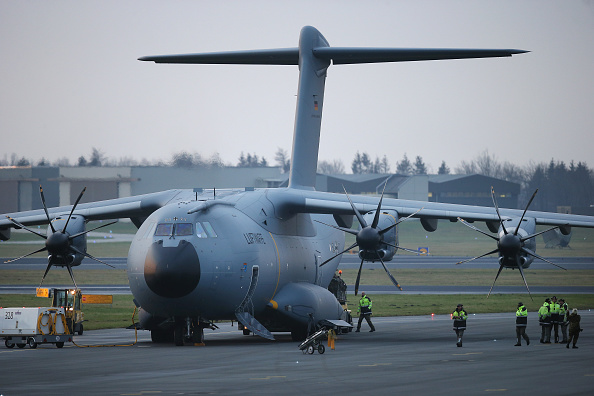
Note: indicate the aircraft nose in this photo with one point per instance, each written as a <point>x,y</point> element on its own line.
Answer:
<point>172,272</point>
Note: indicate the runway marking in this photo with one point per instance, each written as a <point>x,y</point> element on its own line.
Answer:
<point>374,365</point>
<point>140,393</point>
<point>269,377</point>
<point>469,353</point>
<point>495,390</point>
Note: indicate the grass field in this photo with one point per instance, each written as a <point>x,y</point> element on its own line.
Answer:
<point>119,315</point>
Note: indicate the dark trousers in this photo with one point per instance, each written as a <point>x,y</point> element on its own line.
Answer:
<point>367,317</point>
<point>459,335</point>
<point>573,337</point>
<point>521,333</point>
<point>556,331</point>
<point>564,332</point>
<point>545,333</point>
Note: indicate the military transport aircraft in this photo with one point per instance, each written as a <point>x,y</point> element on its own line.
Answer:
<point>265,256</point>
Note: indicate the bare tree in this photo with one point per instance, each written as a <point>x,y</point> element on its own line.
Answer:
<point>335,167</point>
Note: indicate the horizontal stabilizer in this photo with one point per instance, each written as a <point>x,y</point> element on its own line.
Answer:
<point>338,55</point>
<point>342,55</point>
<point>282,56</point>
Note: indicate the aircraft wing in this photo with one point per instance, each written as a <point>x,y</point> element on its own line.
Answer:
<point>330,203</point>
<point>136,207</point>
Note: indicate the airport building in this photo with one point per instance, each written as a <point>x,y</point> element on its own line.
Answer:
<point>19,186</point>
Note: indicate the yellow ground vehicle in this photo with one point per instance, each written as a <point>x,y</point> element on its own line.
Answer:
<point>71,300</point>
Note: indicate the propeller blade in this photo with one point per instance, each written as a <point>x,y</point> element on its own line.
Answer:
<point>523,277</point>
<point>72,211</point>
<point>71,237</point>
<point>382,232</point>
<point>497,276</point>
<point>49,265</point>
<point>477,229</point>
<point>389,274</point>
<point>45,209</point>
<point>336,255</point>
<point>541,258</point>
<point>402,248</point>
<point>379,209</point>
<point>72,276</point>
<point>26,255</point>
<point>349,230</point>
<point>359,216</point>
<point>537,234</point>
<point>497,209</point>
<point>478,257</point>
<point>89,256</point>
<point>16,223</point>
<point>525,210</point>
<point>358,278</point>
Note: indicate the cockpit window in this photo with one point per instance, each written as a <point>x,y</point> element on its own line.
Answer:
<point>200,231</point>
<point>209,230</point>
<point>164,229</point>
<point>183,229</point>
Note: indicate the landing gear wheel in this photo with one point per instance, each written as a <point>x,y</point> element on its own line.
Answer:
<point>8,344</point>
<point>321,349</point>
<point>59,344</point>
<point>246,332</point>
<point>198,335</point>
<point>21,345</point>
<point>32,343</point>
<point>310,349</point>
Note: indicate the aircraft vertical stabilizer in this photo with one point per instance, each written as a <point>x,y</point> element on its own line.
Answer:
<point>314,56</point>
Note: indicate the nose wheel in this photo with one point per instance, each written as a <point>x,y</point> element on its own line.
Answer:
<point>190,331</point>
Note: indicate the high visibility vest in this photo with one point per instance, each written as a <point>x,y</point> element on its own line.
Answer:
<point>459,318</point>
<point>563,313</point>
<point>521,316</point>
<point>555,308</point>
<point>544,314</point>
<point>365,304</point>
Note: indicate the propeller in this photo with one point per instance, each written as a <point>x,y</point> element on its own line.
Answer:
<point>510,245</point>
<point>59,243</point>
<point>369,238</point>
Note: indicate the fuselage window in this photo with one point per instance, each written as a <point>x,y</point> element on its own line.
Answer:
<point>209,230</point>
<point>183,229</point>
<point>164,229</point>
<point>200,231</point>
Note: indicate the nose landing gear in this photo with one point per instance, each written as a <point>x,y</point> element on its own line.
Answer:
<point>191,331</point>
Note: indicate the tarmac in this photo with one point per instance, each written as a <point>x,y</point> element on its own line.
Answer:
<point>409,355</point>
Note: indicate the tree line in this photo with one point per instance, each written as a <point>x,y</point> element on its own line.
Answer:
<point>559,183</point>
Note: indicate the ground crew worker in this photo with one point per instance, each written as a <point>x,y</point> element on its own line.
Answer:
<point>544,319</point>
<point>459,316</point>
<point>574,328</point>
<point>365,312</point>
<point>521,323</point>
<point>555,319</point>
<point>563,316</point>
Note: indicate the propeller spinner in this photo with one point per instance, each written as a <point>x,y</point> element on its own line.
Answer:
<point>510,245</point>
<point>369,238</point>
<point>59,243</point>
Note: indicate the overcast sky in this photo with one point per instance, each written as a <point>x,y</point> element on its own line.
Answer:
<point>70,80</point>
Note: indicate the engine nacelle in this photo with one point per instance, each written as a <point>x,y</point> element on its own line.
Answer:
<point>386,252</point>
<point>76,225</point>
